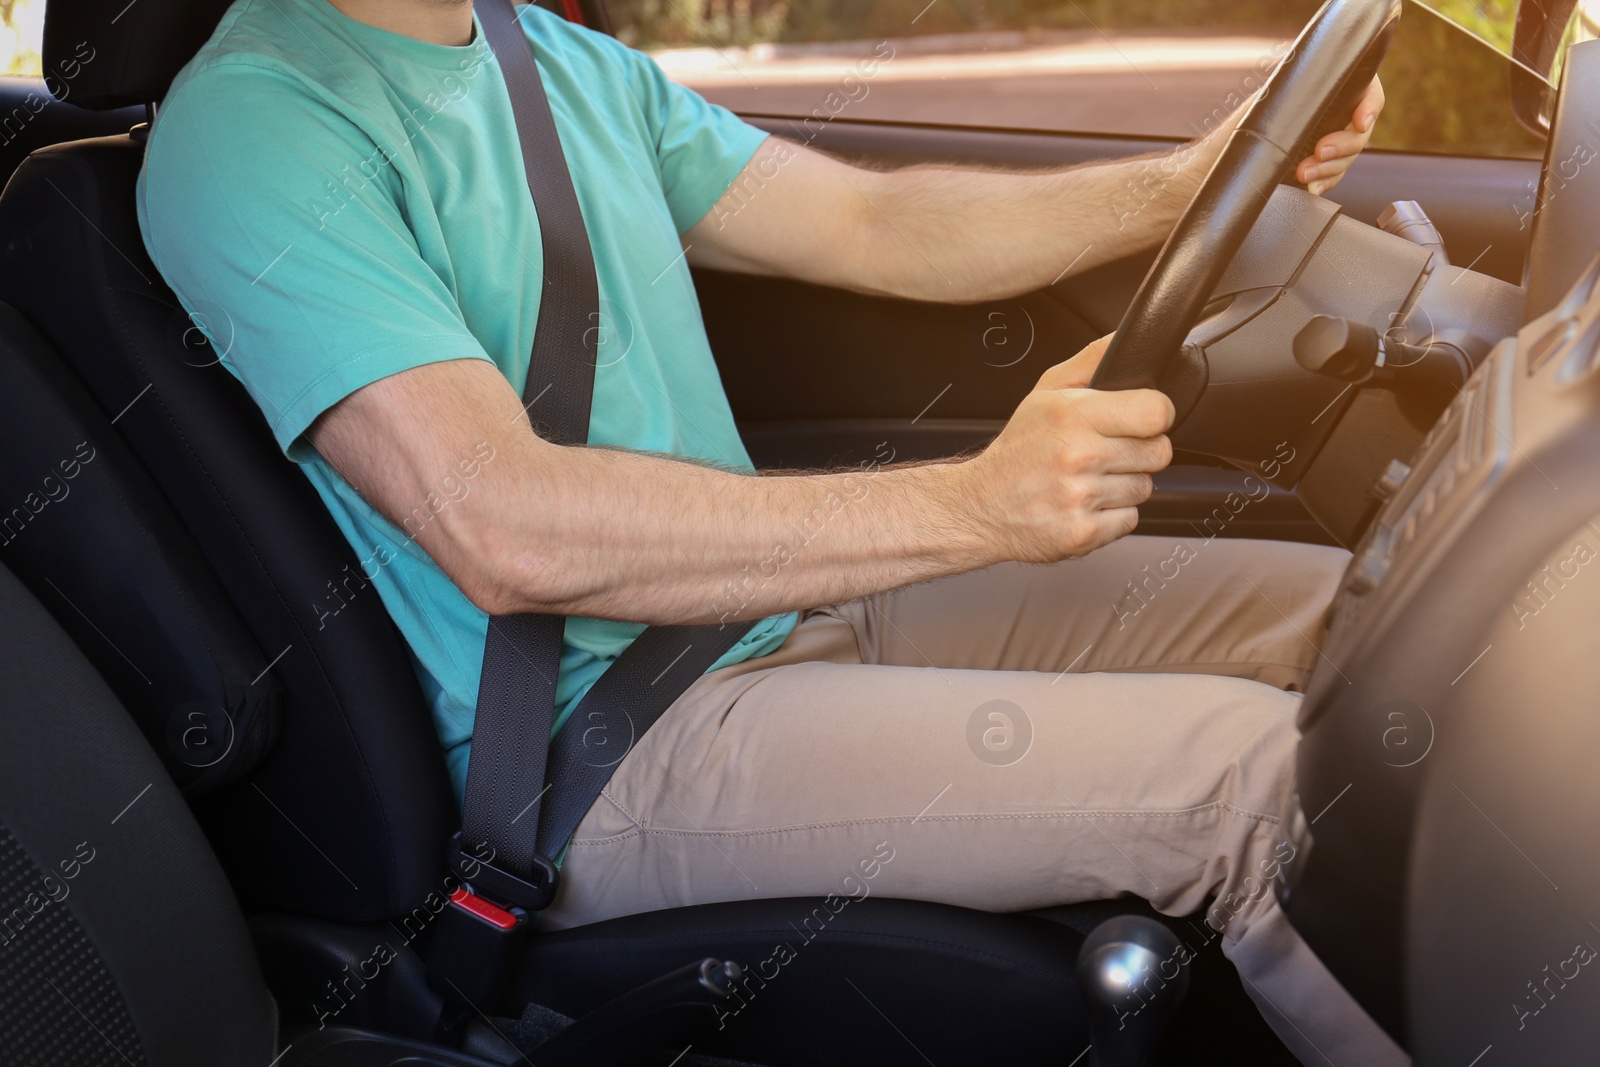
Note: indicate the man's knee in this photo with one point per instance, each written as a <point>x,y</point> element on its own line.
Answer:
<point>1264,738</point>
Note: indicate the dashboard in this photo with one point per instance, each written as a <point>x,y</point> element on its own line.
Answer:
<point>1451,732</point>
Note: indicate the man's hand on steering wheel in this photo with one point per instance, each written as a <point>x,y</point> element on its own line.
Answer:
<point>1074,464</point>
<point>1330,157</point>
<point>1069,471</point>
<point>1333,155</point>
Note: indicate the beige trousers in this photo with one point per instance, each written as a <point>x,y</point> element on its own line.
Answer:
<point>1013,738</point>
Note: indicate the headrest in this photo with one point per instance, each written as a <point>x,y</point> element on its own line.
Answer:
<point>103,54</point>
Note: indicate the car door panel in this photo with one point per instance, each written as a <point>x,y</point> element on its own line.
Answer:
<point>1191,500</point>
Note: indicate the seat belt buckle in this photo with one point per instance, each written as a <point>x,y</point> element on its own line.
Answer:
<point>475,949</point>
<point>480,934</point>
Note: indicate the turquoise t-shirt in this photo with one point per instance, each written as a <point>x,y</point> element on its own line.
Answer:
<point>334,203</point>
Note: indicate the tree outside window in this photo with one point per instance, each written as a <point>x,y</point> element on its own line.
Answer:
<point>21,32</point>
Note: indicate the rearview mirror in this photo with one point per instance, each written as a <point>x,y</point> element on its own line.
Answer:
<point>1536,47</point>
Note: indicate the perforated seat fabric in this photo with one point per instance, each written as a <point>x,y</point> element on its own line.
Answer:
<point>50,972</point>
<point>122,941</point>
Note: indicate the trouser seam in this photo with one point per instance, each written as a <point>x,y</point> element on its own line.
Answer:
<point>640,828</point>
<point>612,797</point>
<point>1152,667</point>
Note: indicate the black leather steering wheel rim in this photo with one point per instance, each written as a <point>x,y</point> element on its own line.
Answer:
<point>1313,91</point>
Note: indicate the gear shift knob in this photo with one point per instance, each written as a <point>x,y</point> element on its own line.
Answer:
<point>1132,975</point>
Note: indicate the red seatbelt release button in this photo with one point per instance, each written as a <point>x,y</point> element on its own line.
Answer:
<point>469,902</point>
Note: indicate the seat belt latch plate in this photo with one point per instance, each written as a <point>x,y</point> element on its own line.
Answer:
<point>533,893</point>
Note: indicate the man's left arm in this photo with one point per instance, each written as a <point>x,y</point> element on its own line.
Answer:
<point>958,234</point>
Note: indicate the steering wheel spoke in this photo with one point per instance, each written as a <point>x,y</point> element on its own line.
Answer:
<point>1319,83</point>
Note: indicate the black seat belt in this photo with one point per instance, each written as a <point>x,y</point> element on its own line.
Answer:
<point>521,808</point>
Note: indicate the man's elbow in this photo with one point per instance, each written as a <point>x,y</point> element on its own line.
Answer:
<point>489,592</point>
<point>491,564</point>
<point>512,584</point>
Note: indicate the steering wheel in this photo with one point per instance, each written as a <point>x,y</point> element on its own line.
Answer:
<point>1312,93</point>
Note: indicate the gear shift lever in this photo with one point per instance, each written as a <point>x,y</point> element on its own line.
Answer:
<point>1133,979</point>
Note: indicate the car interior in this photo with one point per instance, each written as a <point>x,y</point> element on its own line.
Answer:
<point>225,817</point>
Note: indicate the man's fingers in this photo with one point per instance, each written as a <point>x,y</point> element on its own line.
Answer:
<point>1137,455</point>
<point>1078,371</point>
<point>1325,176</point>
<point>1111,524</point>
<point>1371,106</point>
<point>1331,168</point>
<point>1121,413</point>
<point>1333,154</point>
<point>1124,490</point>
<point>1343,145</point>
<point>1319,177</point>
<point>1333,171</point>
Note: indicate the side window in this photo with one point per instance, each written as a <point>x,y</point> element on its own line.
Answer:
<point>1582,26</point>
<point>1447,84</point>
<point>21,34</point>
<point>1142,68</point>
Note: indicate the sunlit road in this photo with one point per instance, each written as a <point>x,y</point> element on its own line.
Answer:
<point>1161,86</point>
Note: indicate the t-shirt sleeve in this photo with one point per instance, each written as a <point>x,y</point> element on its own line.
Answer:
<point>277,221</point>
<point>700,147</point>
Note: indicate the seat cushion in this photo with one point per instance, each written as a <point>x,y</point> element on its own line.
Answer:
<point>110,893</point>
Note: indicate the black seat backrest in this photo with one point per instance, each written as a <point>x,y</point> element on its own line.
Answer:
<point>349,815</point>
<point>120,941</point>
<point>85,528</point>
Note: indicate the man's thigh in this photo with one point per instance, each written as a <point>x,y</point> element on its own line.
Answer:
<point>987,789</point>
<point>1251,609</point>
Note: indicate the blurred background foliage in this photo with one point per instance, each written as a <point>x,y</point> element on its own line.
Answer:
<point>1447,91</point>
<point>660,23</point>
<point>21,26</point>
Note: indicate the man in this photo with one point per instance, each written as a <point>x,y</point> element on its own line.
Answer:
<point>334,188</point>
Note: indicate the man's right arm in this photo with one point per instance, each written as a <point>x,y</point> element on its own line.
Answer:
<point>611,534</point>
